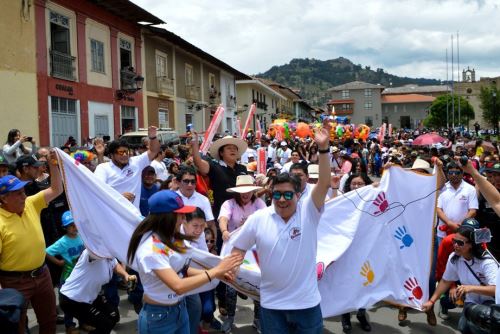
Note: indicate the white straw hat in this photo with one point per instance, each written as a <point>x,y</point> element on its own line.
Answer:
<point>228,140</point>
<point>244,184</point>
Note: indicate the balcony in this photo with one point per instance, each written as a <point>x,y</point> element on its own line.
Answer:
<point>342,112</point>
<point>230,101</point>
<point>62,65</point>
<point>192,93</point>
<point>127,76</point>
<point>165,85</point>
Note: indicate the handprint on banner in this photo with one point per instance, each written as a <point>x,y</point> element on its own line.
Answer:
<point>368,273</point>
<point>402,234</point>
<point>381,203</point>
<point>411,285</point>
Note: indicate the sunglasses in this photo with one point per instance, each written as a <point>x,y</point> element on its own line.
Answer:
<point>458,242</point>
<point>211,241</point>
<point>122,152</point>
<point>189,181</point>
<point>455,172</point>
<point>288,195</point>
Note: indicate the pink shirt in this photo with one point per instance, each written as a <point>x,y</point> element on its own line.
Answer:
<point>236,214</point>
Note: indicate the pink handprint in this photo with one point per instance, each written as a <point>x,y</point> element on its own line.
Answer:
<point>381,203</point>
<point>411,285</point>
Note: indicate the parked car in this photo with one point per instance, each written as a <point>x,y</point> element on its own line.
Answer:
<point>167,137</point>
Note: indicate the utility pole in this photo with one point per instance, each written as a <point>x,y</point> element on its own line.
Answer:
<point>458,80</point>
<point>447,93</point>
<point>452,90</point>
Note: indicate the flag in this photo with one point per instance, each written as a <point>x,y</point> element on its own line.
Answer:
<point>212,129</point>
<point>251,112</point>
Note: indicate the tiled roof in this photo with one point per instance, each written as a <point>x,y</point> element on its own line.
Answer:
<point>128,11</point>
<point>416,89</point>
<point>407,98</point>
<point>355,85</point>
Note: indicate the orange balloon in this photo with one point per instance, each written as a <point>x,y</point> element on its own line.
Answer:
<point>303,130</point>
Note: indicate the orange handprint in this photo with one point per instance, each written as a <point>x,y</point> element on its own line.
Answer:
<point>367,272</point>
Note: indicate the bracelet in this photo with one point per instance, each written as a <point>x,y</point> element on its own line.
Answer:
<point>209,278</point>
<point>223,231</point>
<point>152,138</point>
<point>326,150</point>
<point>433,302</point>
<point>335,188</point>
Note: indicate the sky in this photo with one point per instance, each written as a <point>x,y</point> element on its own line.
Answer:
<point>404,37</point>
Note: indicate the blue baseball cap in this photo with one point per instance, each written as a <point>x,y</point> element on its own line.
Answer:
<point>165,201</point>
<point>471,222</point>
<point>67,219</point>
<point>10,183</point>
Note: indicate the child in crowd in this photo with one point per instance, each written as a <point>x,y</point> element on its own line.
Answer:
<point>69,247</point>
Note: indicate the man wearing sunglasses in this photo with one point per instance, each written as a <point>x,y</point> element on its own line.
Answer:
<point>458,201</point>
<point>286,238</point>
<point>124,173</point>
<point>186,178</point>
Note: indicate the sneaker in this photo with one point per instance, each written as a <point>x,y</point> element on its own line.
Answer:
<point>216,324</point>
<point>256,325</point>
<point>72,330</point>
<point>443,313</point>
<point>365,325</point>
<point>346,322</point>
<point>431,317</point>
<point>402,315</point>
<point>227,324</point>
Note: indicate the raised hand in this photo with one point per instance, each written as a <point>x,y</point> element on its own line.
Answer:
<point>152,130</point>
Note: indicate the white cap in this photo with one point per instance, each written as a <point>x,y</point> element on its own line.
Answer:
<point>283,143</point>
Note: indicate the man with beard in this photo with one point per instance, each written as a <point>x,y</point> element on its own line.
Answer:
<point>457,201</point>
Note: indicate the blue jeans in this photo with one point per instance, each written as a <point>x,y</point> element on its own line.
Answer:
<point>159,319</point>
<point>193,306</point>
<point>304,321</point>
<point>207,305</point>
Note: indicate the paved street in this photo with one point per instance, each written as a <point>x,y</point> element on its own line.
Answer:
<point>383,318</point>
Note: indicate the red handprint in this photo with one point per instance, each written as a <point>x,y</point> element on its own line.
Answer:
<point>381,203</point>
<point>320,270</point>
<point>411,284</point>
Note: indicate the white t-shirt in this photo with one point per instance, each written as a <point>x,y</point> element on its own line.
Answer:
<point>456,203</point>
<point>128,179</point>
<point>485,269</point>
<point>89,275</point>
<point>160,170</point>
<point>153,254</point>
<point>285,155</point>
<point>244,156</point>
<point>199,201</point>
<point>287,253</point>
<point>271,153</point>
<point>307,191</point>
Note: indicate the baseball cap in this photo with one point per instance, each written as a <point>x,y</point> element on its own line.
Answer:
<point>10,183</point>
<point>67,219</point>
<point>283,143</point>
<point>471,222</point>
<point>28,160</point>
<point>165,201</point>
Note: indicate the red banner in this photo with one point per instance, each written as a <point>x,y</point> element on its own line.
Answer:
<point>261,160</point>
<point>251,112</point>
<point>212,128</point>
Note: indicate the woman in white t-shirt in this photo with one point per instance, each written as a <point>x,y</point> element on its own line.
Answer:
<point>476,271</point>
<point>158,250</point>
<point>233,214</point>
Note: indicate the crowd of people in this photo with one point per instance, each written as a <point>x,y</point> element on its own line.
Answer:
<point>192,200</point>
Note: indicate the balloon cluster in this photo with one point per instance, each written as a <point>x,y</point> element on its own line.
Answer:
<point>83,156</point>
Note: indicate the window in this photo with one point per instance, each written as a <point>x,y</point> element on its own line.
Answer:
<point>368,105</point>
<point>163,118</point>
<point>59,33</point>
<point>161,65</point>
<point>97,54</point>
<point>189,119</point>
<point>212,88</point>
<point>369,120</point>
<point>345,94</point>
<point>189,75</point>
<point>63,106</point>
<point>368,92</point>
<point>125,54</point>
<point>128,119</point>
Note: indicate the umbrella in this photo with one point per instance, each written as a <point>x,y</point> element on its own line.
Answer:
<point>486,145</point>
<point>428,139</point>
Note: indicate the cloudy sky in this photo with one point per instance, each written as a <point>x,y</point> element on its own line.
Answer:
<point>406,38</point>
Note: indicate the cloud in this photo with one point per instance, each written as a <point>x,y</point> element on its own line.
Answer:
<point>407,38</point>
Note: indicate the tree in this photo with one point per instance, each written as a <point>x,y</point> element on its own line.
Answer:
<point>437,111</point>
<point>490,104</point>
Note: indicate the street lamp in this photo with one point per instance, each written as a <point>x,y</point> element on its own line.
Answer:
<point>495,116</point>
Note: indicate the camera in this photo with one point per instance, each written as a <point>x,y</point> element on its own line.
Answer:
<point>463,160</point>
<point>487,317</point>
<point>29,138</point>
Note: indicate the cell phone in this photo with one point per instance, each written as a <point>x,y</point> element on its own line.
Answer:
<point>29,138</point>
<point>482,235</point>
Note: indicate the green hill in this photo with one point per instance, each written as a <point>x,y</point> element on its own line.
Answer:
<point>312,77</point>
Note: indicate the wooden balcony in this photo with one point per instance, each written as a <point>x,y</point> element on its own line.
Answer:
<point>165,86</point>
<point>192,93</point>
<point>62,65</point>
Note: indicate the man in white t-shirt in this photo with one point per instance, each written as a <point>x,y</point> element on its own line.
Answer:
<point>124,173</point>
<point>295,158</point>
<point>301,172</point>
<point>285,235</point>
<point>284,153</point>
<point>186,178</point>
<point>458,201</point>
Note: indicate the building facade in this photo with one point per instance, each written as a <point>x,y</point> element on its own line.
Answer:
<point>405,110</point>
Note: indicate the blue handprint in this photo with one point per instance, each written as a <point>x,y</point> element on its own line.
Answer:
<point>402,234</point>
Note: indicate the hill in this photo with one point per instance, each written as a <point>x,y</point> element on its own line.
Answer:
<point>312,77</point>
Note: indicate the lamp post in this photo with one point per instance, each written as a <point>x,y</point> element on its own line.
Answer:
<point>495,115</point>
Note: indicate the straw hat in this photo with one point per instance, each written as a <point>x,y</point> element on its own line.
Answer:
<point>422,164</point>
<point>244,184</point>
<point>228,140</point>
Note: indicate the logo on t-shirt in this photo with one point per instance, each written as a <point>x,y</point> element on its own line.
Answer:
<point>129,172</point>
<point>295,233</point>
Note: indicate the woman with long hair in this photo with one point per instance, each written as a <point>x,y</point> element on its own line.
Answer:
<point>233,214</point>
<point>14,147</point>
<point>476,271</point>
<point>163,260</point>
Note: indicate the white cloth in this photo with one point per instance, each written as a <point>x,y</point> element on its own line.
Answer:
<point>160,169</point>
<point>126,179</point>
<point>455,203</point>
<point>198,243</point>
<point>87,278</point>
<point>152,255</point>
<point>199,201</point>
<point>485,269</point>
<point>284,247</point>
